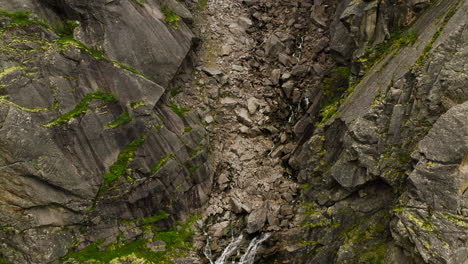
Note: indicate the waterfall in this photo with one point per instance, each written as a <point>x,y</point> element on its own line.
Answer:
<point>229,249</point>
<point>207,250</point>
<point>249,255</point>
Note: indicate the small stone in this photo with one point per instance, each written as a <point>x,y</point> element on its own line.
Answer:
<point>285,59</point>
<point>273,46</point>
<point>283,138</point>
<point>243,116</point>
<point>209,119</point>
<point>237,68</point>
<point>285,76</point>
<point>300,70</point>
<point>244,129</point>
<point>252,105</point>
<point>228,101</point>
<point>226,50</point>
<point>212,71</point>
<point>275,76</point>
<point>288,88</point>
<point>244,22</point>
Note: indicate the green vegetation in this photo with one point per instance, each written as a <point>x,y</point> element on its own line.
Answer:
<point>21,18</point>
<point>315,217</point>
<point>124,118</point>
<point>139,2</point>
<point>3,100</point>
<point>202,4</point>
<point>66,41</point>
<point>180,111</point>
<point>368,238</point>
<point>9,70</point>
<point>81,108</point>
<point>425,224</point>
<point>455,219</point>
<point>397,41</point>
<point>158,165</point>
<point>67,29</point>
<point>195,152</point>
<point>160,216</point>
<point>173,243</point>
<point>187,129</point>
<point>175,91</point>
<point>135,105</point>
<point>334,89</point>
<point>193,169</point>
<point>3,260</point>
<point>437,34</point>
<point>120,166</point>
<point>170,17</point>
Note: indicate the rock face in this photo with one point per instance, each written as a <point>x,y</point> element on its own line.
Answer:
<point>338,130</point>
<point>387,174</point>
<point>90,139</point>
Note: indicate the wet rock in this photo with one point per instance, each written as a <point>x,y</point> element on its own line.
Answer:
<point>256,220</point>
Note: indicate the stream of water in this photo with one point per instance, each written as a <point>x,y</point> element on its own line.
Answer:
<point>249,255</point>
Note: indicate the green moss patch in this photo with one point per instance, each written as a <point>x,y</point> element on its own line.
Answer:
<point>120,166</point>
<point>139,2</point>
<point>160,216</point>
<point>158,165</point>
<point>170,17</point>
<point>21,18</point>
<point>135,105</point>
<point>428,47</point>
<point>124,118</point>
<point>81,108</point>
<point>180,111</point>
<point>397,41</point>
<point>202,4</point>
<point>4,100</point>
<point>174,243</point>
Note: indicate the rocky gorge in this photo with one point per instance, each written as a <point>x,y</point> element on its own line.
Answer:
<point>233,131</point>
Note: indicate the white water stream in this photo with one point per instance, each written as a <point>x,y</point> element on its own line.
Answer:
<point>249,255</point>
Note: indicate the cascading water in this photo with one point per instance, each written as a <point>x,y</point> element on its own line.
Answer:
<point>250,253</point>
<point>229,249</point>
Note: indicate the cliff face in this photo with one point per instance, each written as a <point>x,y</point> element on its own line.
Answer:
<point>362,105</point>
<point>89,138</point>
<point>386,177</point>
